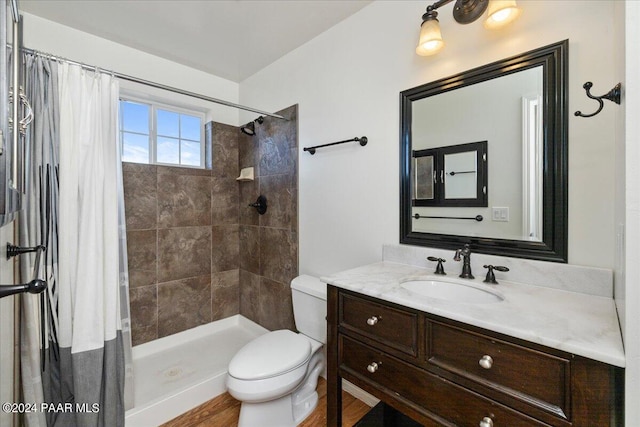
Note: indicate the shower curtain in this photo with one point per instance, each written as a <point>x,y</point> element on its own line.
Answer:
<point>38,225</point>
<point>75,208</point>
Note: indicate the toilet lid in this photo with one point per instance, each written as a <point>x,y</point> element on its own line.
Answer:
<point>269,355</point>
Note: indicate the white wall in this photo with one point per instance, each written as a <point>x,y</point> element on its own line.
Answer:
<point>53,38</point>
<point>347,80</point>
<point>628,205</point>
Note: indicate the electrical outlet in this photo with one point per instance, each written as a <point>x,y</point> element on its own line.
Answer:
<point>500,214</point>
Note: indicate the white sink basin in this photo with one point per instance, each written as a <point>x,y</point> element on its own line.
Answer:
<point>451,290</point>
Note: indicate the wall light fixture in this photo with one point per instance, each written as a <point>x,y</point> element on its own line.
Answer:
<point>500,13</point>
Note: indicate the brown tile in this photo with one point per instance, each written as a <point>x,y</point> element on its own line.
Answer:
<point>140,196</point>
<point>184,252</point>
<point>141,254</point>
<point>248,151</point>
<point>225,294</point>
<point>294,171</point>
<point>291,114</point>
<point>183,200</point>
<point>275,156</point>
<point>249,192</point>
<point>183,304</point>
<point>285,132</point>
<point>278,143</point>
<point>250,248</point>
<point>277,189</point>
<point>294,205</point>
<point>225,248</point>
<point>224,200</point>
<point>249,295</point>
<point>144,314</point>
<point>129,167</point>
<point>278,254</point>
<point>181,170</point>
<point>276,309</point>
<point>225,150</point>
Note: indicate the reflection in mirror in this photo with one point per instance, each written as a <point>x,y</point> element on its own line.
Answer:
<point>517,108</point>
<point>455,175</point>
<point>425,176</point>
<point>491,110</point>
<point>460,171</point>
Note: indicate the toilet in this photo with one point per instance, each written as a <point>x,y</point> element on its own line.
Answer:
<point>275,375</point>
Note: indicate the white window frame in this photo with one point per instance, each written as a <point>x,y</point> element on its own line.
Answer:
<point>154,105</point>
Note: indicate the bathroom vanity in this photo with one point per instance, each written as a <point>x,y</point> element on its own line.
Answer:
<point>527,356</point>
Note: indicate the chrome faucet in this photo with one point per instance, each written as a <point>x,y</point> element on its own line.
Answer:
<point>466,264</point>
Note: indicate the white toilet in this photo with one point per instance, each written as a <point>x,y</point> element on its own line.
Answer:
<point>275,375</point>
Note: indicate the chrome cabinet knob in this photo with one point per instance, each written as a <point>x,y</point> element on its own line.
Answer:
<point>373,367</point>
<point>371,321</point>
<point>486,361</point>
<point>486,422</point>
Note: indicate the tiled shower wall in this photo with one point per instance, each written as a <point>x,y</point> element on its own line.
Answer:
<point>186,231</point>
<point>269,242</point>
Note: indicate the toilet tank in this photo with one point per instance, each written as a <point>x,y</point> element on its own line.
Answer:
<point>309,296</point>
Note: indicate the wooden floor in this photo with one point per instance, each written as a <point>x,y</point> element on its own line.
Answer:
<point>223,411</point>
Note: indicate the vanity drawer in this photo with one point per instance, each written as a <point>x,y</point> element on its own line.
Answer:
<point>437,398</point>
<point>390,326</point>
<point>538,379</point>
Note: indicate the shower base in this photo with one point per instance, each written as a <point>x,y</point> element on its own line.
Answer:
<point>177,373</point>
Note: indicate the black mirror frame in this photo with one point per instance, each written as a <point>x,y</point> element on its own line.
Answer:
<point>554,60</point>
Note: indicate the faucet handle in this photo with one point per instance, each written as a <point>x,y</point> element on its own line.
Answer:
<point>439,267</point>
<point>465,250</point>
<point>491,277</point>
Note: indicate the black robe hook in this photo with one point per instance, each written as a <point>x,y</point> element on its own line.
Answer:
<point>612,95</point>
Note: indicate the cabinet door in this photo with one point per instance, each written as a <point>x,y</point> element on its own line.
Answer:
<point>435,398</point>
<point>536,378</point>
<point>389,326</point>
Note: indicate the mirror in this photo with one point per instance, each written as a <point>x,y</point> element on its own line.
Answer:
<point>484,158</point>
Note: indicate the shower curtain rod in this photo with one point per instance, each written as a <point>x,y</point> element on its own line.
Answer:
<point>14,11</point>
<point>153,84</point>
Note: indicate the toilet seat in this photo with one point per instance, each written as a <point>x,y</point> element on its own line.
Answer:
<point>279,352</point>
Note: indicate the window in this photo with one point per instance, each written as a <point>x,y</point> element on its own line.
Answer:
<point>160,134</point>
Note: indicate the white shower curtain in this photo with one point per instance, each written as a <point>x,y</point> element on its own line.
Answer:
<point>90,330</point>
<point>72,344</point>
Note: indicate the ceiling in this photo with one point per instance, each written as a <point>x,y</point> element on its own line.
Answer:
<point>230,39</point>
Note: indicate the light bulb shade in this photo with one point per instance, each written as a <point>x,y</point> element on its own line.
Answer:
<point>430,38</point>
<point>501,13</point>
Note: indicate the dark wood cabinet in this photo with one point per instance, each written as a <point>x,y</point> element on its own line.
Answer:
<point>444,373</point>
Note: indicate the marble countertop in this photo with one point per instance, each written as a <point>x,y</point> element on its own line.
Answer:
<point>582,324</point>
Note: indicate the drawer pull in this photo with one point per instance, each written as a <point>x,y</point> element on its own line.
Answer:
<point>486,362</point>
<point>373,367</point>
<point>486,422</point>
<point>371,321</point>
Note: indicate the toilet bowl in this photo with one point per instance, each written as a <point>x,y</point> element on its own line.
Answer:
<point>275,375</point>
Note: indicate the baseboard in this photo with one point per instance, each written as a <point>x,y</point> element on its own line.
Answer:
<point>359,393</point>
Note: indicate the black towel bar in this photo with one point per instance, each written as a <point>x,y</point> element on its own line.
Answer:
<point>475,218</point>
<point>362,140</point>
<point>35,286</point>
